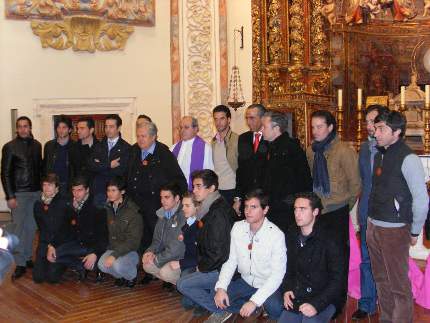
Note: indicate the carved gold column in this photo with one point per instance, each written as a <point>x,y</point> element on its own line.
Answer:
<point>359,137</point>
<point>339,117</point>
<point>319,39</point>
<point>256,51</point>
<point>297,45</point>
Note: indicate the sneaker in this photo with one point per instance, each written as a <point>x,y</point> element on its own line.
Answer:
<point>219,317</point>
<point>360,314</point>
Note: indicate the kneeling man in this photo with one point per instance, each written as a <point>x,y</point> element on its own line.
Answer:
<point>258,253</point>
<point>313,285</point>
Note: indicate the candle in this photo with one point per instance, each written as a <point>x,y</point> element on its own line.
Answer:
<point>427,95</point>
<point>402,95</point>
<point>359,97</point>
<point>339,98</point>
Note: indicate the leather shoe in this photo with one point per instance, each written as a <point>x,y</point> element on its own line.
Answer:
<point>29,264</point>
<point>119,282</point>
<point>146,279</point>
<point>19,272</point>
<point>130,283</point>
<point>200,311</point>
<point>359,315</point>
<point>99,277</point>
<point>169,287</point>
<point>82,275</point>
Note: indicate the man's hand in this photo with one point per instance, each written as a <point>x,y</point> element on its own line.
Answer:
<point>148,258</point>
<point>115,163</point>
<point>288,300</point>
<point>247,309</point>
<point>221,299</point>
<point>51,254</point>
<point>12,203</point>
<point>307,310</point>
<point>109,261</point>
<point>414,241</point>
<point>174,265</point>
<point>89,261</point>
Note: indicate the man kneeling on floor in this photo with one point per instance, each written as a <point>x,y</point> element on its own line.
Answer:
<point>85,233</point>
<point>258,253</point>
<point>313,286</point>
<point>166,245</point>
<point>125,232</point>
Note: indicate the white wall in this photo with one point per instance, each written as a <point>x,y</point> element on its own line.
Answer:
<point>239,14</point>
<point>142,70</point>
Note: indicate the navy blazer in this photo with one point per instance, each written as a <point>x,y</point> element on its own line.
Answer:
<point>366,182</point>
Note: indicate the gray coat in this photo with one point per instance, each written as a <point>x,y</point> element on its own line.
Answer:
<point>166,244</point>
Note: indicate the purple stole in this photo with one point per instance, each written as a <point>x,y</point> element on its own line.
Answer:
<point>197,157</point>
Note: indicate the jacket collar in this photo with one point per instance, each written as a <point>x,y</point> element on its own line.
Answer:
<point>226,138</point>
<point>160,211</point>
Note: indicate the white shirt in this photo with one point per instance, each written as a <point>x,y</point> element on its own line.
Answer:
<point>263,267</point>
<point>184,157</point>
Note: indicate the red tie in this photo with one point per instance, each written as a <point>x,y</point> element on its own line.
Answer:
<point>256,141</point>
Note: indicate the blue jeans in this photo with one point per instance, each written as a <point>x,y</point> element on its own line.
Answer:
<point>322,317</point>
<point>367,302</point>
<point>200,288</point>
<point>185,301</point>
<point>123,267</point>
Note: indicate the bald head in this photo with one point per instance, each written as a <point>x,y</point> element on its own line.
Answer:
<point>188,127</point>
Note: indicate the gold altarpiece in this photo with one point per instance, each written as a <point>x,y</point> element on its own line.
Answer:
<point>302,55</point>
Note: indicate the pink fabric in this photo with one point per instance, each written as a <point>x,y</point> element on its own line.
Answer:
<point>354,264</point>
<point>423,297</point>
<point>415,276</point>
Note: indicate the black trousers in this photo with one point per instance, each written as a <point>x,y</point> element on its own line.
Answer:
<point>45,271</point>
<point>70,254</point>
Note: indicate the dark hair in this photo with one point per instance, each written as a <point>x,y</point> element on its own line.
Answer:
<point>118,182</point>
<point>63,119</point>
<point>144,116</point>
<point>261,108</point>
<point>209,177</point>
<point>277,119</point>
<point>115,117</point>
<point>376,107</point>
<point>327,116</point>
<point>393,119</point>
<point>172,188</point>
<point>80,180</point>
<point>24,118</point>
<point>258,194</point>
<point>222,108</point>
<point>51,178</point>
<point>314,200</point>
<point>90,122</point>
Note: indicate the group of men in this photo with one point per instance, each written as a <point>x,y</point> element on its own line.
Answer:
<point>259,200</point>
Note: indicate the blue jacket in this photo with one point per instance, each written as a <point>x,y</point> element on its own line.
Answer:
<point>366,181</point>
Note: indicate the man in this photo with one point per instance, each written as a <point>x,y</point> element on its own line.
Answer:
<point>166,246</point>
<point>109,158</point>
<point>152,165</point>
<point>258,253</point>
<point>252,152</point>
<point>398,206</point>
<point>313,286</point>
<point>224,151</point>
<point>287,171</point>
<point>20,175</point>
<point>125,233</point>
<point>59,154</point>
<point>192,152</point>
<point>336,179</point>
<point>85,238</point>
<point>216,219</point>
<point>87,140</point>
<point>367,302</point>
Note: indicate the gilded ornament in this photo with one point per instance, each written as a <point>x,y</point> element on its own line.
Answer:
<point>82,34</point>
<point>256,55</point>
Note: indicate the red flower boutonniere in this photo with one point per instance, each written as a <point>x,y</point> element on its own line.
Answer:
<point>181,237</point>
<point>45,207</point>
<point>378,171</point>
<point>73,222</point>
<point>145,162</point>
<point>200,224</point>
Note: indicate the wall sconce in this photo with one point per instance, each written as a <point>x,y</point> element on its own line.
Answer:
<point>235,98</point>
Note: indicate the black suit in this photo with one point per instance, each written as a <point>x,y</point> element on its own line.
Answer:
<point>99,165</point>
<point>251,165</point>
<point>145,179</point>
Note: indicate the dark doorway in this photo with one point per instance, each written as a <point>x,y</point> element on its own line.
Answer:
<point>99,120</point>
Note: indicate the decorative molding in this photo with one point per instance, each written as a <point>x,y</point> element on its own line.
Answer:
<point>82,34</point>
<point>275,46</point>
<point>175,69</point>
<point>256,51</point>
<point>200,76</point>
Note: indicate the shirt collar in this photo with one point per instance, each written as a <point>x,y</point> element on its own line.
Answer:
<point>151,149</point>
<point>113,141</point>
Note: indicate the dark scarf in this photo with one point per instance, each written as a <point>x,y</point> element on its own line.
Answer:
<point>320,171</point>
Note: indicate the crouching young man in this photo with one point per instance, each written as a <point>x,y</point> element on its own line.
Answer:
<point>258,253</point>
<point>125,232</point>
<point>313,285</point>
<point>166,246</point>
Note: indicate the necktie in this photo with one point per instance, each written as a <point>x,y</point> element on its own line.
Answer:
<point>110,145</point>
<point>256,141</point>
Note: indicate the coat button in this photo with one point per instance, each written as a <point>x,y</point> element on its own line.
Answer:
<point>309,290</point>
<point>152,193</point>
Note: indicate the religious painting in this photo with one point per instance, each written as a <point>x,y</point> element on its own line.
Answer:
<point>132,12</point>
